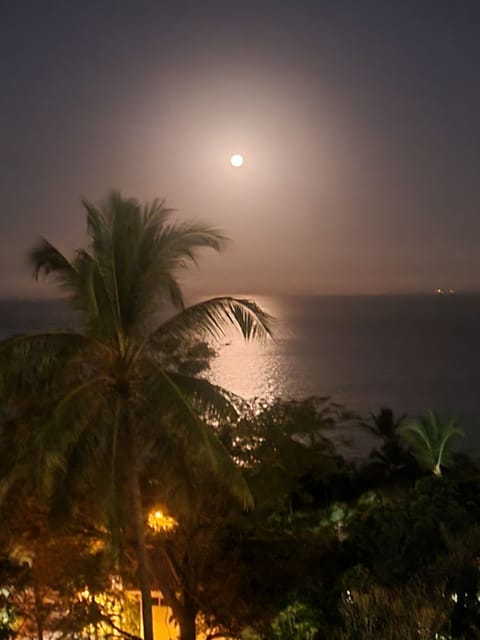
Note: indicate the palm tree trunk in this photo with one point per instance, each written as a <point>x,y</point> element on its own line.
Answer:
<point>186,622</point>
<point>184,611</point>
<point>139,528</point>
<point>39,614</point>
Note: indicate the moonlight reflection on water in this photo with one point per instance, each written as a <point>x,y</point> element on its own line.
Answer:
<point>250,370</point>
<point>409,353</point>
<point>254,369</point>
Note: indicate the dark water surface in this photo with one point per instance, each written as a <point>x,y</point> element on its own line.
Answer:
<point>409,353</point>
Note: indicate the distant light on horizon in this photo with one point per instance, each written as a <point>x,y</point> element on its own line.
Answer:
<point>443,292</point>
<point>236,160</point>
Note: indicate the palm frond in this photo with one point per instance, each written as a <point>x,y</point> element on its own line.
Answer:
<point>46,260</point>
<point>179,243</point>
<point>15,438</point>
<point>415,434</point>
<point>50,340</point>
<point>451,430</point>
<point>206,398</point>
<point>136,254</point>
<point>156,212</point>
<point>102,223</point>
<point>175,294</point>
<point>163,250</point>
<point>78,414</point>
<point>41,355</point>
<point>202,443</point>
<point>84,479</point>
<point>429,439</point>
<point>215,317</point>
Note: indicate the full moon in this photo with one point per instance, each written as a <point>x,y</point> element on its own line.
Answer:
<point>236,160</point>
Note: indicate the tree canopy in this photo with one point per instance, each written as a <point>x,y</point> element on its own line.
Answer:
<point>90,408</point>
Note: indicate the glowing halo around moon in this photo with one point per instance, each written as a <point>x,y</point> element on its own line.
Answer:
<point>236,160</point>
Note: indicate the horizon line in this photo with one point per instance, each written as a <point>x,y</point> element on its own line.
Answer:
<point>347,294</point>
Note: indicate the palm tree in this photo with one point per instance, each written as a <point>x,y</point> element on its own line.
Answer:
<point>430,441</point>
<point>385,426</point>
<point>118,397</point>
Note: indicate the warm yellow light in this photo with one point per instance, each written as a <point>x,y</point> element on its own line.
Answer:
<point>236,160</point>
<point>161,522</point>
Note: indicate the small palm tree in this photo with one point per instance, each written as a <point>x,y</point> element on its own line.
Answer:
<point>431,441</point>
<point>113,395</point>
<point>385,426</point>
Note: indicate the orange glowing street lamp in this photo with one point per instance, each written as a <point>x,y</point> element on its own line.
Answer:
<point>160,522</point>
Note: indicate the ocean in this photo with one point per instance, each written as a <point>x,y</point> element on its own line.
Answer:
<point>410,353</point>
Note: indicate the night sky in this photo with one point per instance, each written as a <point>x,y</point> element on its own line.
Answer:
<point>359,122</point>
